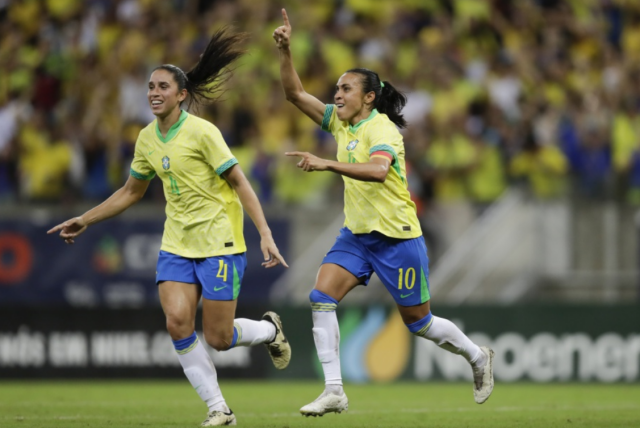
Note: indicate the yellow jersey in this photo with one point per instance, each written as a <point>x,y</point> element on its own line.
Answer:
<point>204,214</point>
<point>383,207</point>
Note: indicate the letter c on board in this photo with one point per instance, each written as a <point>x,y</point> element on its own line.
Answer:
<point>18,269</point>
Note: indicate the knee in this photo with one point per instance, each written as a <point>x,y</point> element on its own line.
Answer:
<point>179,326</point>
<point>420,326</point>
<point>321,302</point>
<point>219,340</point>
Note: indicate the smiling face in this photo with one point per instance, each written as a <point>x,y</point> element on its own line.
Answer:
<point>163,94</point>
<point>353,105</point>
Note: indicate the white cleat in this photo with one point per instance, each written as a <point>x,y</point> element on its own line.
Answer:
<point>483,377</point>
<point>326,403</point>
<point>279,349</point>
<point>219,418</point>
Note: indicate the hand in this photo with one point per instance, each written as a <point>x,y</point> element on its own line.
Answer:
<point>309,162</point>
<point>271,254</point>
<point>70,229</point>
<point>282,34</point>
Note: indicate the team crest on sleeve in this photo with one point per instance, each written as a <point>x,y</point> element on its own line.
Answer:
<point>352,145</point>
<point>165,163</point>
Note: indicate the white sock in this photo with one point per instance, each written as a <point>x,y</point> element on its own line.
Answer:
<point>326,335</point>
<point>448,336</point>
<point>334,389</point>
<point>252,332</point>
<point>203,377</point>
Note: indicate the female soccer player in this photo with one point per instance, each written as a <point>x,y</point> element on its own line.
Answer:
<point>381,232</point>
<point>203,248</point>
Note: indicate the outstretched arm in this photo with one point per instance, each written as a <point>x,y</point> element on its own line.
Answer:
<point>132,191</point>
<point>375,170</point>
<point>235,177</point>
<point>308,104</point>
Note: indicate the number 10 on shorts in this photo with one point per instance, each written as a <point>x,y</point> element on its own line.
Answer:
<point>408,278</point>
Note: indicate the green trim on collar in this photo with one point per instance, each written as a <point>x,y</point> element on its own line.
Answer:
<point>174,128</point>
<point>354,128</point>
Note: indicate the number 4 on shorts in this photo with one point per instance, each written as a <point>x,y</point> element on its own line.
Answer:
<point>222,271</point>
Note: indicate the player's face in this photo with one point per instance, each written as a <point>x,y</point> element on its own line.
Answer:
<point>163,94</point>
<point>349,98</point>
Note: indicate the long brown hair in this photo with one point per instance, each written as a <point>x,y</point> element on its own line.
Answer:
<point>204,81</point>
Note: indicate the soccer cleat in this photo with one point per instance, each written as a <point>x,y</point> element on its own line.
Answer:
<point>219,418</point>
<point>279,348</point>
<point>483,377</point>
<point>327,402</point>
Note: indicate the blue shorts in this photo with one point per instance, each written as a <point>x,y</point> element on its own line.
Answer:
<point>220,276</point>
<point>401,264</point>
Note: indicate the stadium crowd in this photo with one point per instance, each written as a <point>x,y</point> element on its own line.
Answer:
<point>543,93</point>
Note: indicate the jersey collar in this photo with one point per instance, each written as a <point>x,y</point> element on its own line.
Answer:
<point>174,128</point>
<point>354,128</point>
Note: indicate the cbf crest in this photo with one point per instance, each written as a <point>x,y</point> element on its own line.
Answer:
<point>352,144</point>
<point>165,163</point>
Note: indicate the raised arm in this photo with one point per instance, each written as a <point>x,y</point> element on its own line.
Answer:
<point>308,104</point>
<point>132,191</point>
<point>235,177</point>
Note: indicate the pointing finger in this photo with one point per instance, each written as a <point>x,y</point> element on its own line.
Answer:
<point>285,18</point>
<point>294,153</point>
<point>281,259</point>
<point>55,229</point>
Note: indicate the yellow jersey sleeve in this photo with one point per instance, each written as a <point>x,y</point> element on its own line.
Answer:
<point>330,121</point>
<point>140,166</point>
<point>215,151</point>
<point>384,138</point>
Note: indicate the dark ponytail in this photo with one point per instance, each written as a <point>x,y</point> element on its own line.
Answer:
<point>203,82</point>
<point>388,99</point>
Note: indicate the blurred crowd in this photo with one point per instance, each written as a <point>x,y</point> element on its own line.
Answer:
<point>543,94</point>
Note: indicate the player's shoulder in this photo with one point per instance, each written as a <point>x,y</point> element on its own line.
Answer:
<point>194,121</point>
<point>382,122</point>
<point>381,125</point>
<point>147,133</point>
<point>150,129</point>
<point>197,125</point>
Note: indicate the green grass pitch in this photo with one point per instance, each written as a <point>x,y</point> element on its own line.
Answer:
<point>123,404</point>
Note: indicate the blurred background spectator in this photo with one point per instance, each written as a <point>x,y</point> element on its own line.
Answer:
<point>544,93</point>
<point>541,94</point>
